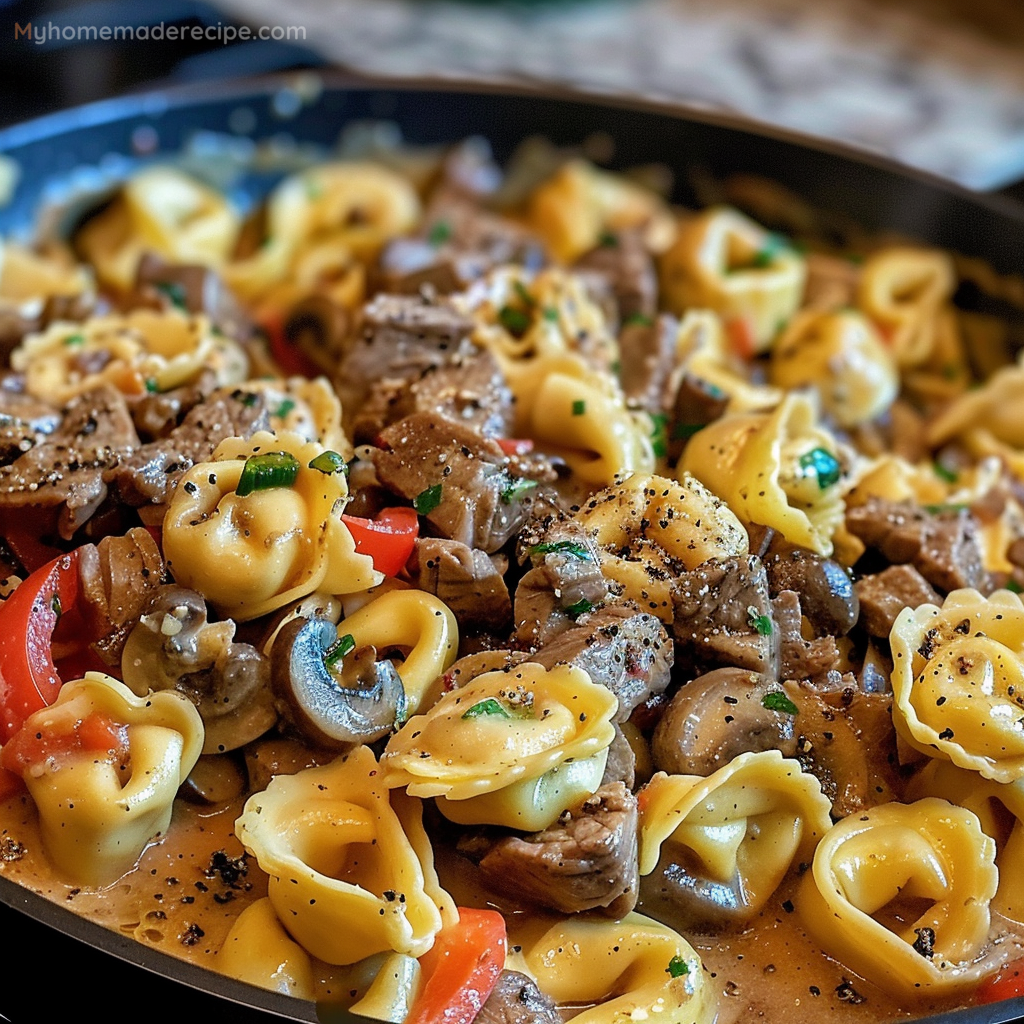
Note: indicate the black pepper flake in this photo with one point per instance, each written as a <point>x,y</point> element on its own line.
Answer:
<point>192,934</point>
<point>946,734</point>
<point>230,870</point>
<point>11,850</point>
<point>814,990</point>
<point>848,994</point>
<point>925,942</point>
<point>788,907</point>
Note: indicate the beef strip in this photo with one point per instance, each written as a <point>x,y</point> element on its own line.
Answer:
<point>67,468</point>
<point>800,658</point>
<point>722,615</point>
<point>885,594</point>
<point>118,577</point>
<point>627,651</point>
<point>944,545</point>
<point>692,403</point>
<point>24,420</point>
<point>516,999</point>
<point>470,389</point>
<point>831,281</point>
<point>621,763</point>
<point>827,595</point>
<point>149,474</point>
<point>156,415</point>
<point>629,269</point>
<point>467,580</point>
<point>587,860</point>
<point>478,503</point>
<point>647,354</point>
<point>400,337</point>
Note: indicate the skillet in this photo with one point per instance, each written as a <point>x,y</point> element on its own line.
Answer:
<point>80,968</point>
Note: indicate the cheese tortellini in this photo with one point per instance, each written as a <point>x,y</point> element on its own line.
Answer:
<point>841,356</point>
<point>779,469</point>
<point>634,969</point>
<point>97,814</point>
<point>958,681</point>
<point>252,553</point>
<point>722,260</point>
<point>346,878</point>
<point>510,748</point>
<point>728,840</point>
<point>883,865</point>
<point>142,351</point>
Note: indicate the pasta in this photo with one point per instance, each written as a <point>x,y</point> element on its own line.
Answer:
<point>508,577</point>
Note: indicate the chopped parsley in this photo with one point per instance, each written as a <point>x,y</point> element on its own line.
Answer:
<point>329,462</point>
<point>1013,586</point>
<point>517,489</point>
<point>489,706</point>
<point>439,233</point>
<point>778,701</point>
<point>263,472</point>
<point>937,510</point>
<point>581,607</point>
<point>762,624</point>
<point>823,464</point>
<point>562,547</point>
<point>249,399</point>
<point>608,239</point>
<point>284,408</point>
<point>426,501</point>
<point>684,431</point>
<point>637,320</point>
<point>769,251</point>
<point>659,435</point>
<point>524,296</point>
<point>55,605</point>
<point>579,407</point>
<point>174,293</point>
<point>152,386</point>
<point>515,321</point>
<point>342,646</point>
<point>943,473</point>
<point>677,967</point>
<point>74,340</point>
<point>550,313</point>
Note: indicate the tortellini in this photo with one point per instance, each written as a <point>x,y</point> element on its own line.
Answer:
<point>635,969</point>
<point>510,748</point>
<point>28,278</point>
<point>779,469</point>
<point>253,553</point>
<point>958,681</point>
<point>729,839</point>
<point>579,202</point>
<point>96,814</point>
<point>164,211</point>
<point>722,260</point>
<point>882,865</point>
<point>651,517</point>
<point>903,290</point>
<point>346,881</point>
<point>142,351</point>
<point>842,357</point>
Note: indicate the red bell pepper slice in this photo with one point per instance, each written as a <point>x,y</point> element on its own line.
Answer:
<point>740,332</point>
<point>28,676</point>
<point>515,445</point>
<point>290,360</point>
<point>461,969</point>
<point>388,539</point>
<point>1004,984</point>
<point>96,733</point>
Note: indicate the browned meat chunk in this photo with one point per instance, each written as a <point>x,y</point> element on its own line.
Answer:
<point>67,468</point>
<point>627,651</point>
<point>647,353</point>
<point>717,716</point>
<point>470,390</point>
<point>827,595</point>
<point>466,580</point>
<point>401,337</point>
<point>458,480</point>
<point>800,658</point>
<point>156,415</point>
<point>831,281</point>
<point>515,999</point>
<point>118,578</point>
<point>629,269</point>
<point>692,403</point>
<point>150,474</point>
<point>885,594</point>
<point>24,421</point>
<point>621,763</point>
<point>723,615</point>
<point>943,545</point>
<point>585,861</point>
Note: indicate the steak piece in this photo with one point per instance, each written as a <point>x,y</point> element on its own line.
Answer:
<point>466,579</point>
<point>585,861</point>
<point>68,467</point>
<point>459,480</point>
<point>883,595</point>
<point>628,268</point>
<point>827,595</point>
<point>516,999</point>
<point>647,356</point>
<point>628,652</point>
<point>150,473</point>
<point>943,545</point>
<point>722,615</point>
<point>799,658</point>
<point>156,415</point>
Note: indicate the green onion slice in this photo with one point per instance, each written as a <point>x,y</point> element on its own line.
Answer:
<point>329,462</point>
<point>271,469</point>
<point>515,321</point>
<point>342,646</point>
<point>489,706</point>
<point>562,547</point>
<point>778,701</point>
<point>516,490</point>
<point>426,501</point>
<point>581,607</point>
<point>677,967</point>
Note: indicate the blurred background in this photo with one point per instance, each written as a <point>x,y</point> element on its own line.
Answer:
<point>937,84</point>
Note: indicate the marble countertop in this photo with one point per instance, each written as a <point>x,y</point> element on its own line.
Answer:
<point>938,93</point>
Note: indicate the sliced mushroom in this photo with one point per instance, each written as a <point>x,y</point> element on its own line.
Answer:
<point>215,779</point>
<point>717,716</point>
<point>827,595</point>
<point>358,704</point>
<point>174,646</point>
